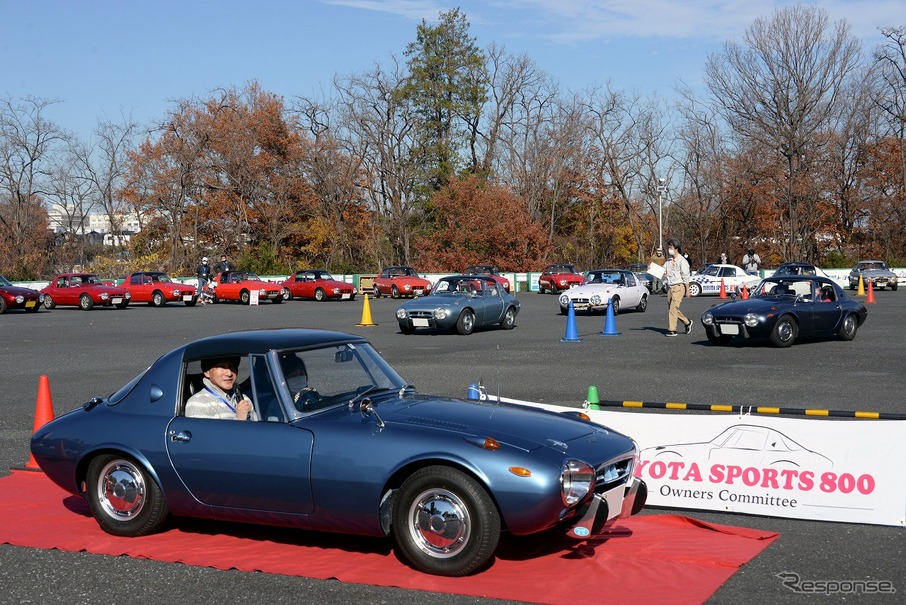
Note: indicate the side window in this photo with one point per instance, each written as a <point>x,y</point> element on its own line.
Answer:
<point>630,279</point>
<point>135,279</point>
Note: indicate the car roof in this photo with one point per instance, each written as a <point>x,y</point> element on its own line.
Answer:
<point>796,264</point>
<point>262,341</point>
<point>795,278</point>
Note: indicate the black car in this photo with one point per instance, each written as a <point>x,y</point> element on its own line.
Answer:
<point>797,268</point>
<point>786,308</point>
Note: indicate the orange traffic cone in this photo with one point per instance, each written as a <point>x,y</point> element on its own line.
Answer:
<point>723,289</point>
<point>43,415</point>
<point>366,315</point>
<point>870,300</point>
<point>744,295</point>
<point>861,290</point>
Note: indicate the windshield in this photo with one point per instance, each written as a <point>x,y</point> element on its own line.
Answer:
<point>783,287</point>
<point>480,270</point>
<point>874,265</point>
<point>335,375</point>
<point>458,285</point>
<point>3,281</point>
<point>323,275</point>
<point>162,277</point>
<point>561,269</point>
<point>603,277</point>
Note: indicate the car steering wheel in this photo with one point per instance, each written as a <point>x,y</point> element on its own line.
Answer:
<point>306,400</point>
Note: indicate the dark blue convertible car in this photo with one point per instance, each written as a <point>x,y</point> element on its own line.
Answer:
<point>784,309</point>
<point>336,441</point>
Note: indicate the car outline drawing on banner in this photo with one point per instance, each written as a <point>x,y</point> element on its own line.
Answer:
<point>738,444</point>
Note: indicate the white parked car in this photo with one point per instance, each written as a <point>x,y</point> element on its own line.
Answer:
<point>708,282</point>
<point>622,288</point>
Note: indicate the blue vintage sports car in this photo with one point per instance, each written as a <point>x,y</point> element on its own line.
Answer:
<point>786,308</point>
<point>461,303</point>
<point>337,441</point>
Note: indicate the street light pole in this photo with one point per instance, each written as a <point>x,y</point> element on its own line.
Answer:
<point>661,189</point>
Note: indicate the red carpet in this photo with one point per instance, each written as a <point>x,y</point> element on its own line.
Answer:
<point>648,559</point>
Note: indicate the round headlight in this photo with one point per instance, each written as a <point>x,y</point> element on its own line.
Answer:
<point>441,313</point>
<point>707,318</point>
<point>596,299</point>
<point>128,295</point>
<point>175,293</point>
<point>104,296</point>
<point>564,300</point>
<point>750,320</point>
<point>262,292</point>
<point>20,299</point>
<point>401,313</point>
<point>336,290</point>
<point>577,479</point>
<point>563,282</point>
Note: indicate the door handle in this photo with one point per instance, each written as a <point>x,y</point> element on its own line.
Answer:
<point>184,436</point>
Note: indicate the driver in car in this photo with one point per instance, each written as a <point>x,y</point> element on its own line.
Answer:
<point>304,396</point>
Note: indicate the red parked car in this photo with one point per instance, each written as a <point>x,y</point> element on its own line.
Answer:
<point>239,285</point>
<point>317,284</point>
<point>488,270</point>
<point>83,290</point>
<point>400,281</point>
<point>157,289</point>
<point>557,278</point>
<point>15,297</point>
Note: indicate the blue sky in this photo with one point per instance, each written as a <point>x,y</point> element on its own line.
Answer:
<point>104,58</point>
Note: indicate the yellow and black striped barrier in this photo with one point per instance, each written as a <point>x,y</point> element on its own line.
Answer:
<point>746,409</point>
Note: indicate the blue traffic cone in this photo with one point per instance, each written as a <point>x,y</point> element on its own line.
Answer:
<point>474,394</point>
<point>610,324</point>
<point>572,333</point>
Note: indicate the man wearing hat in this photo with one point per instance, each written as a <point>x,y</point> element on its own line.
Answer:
<point>203,273</point>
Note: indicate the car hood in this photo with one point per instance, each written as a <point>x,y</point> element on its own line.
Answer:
<point>879,272</point>
<point>589,289</point>
<point>17,290</point>
<point>752,305</point>
<point>440,300</point>
<point>519,426</point>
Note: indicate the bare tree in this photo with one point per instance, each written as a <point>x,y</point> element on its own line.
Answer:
<point>780,88</point>
<point>27,144</point>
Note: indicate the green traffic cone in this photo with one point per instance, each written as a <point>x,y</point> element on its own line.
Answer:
<point>591,400</point>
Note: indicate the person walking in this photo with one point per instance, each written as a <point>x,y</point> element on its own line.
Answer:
<point>750,262</point>
<point>203,274</point>
<point>677,276</point>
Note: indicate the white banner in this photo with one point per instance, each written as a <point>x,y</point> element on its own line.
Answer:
<point>841,470</point>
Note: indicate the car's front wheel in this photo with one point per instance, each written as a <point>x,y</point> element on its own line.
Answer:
<point>848,328</point>
<point>785,332</point>
<point>286,294</point>
<point>320,295</point>
<point>123,497</point>
<point>721,339</point>
<point>509,319</point>
<point>444,522</point>
<point>85,303</point>
<point>466,322</point>
<point>245,297</point>
<point>615,305</point>
<point>157,299</point>
<point>394,292</point>
<point>376,293</point>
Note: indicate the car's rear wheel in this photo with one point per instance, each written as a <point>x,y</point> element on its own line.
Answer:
<point>444,522</point>
<point>643,304</point>
<point>123,497</point>
<point>85,303</point>
<point>320,295</point>
<point>245,297</point>
<point>3,306</point>
<point>695,288</point>
<point>784,332</point>
<point>509,319</point>
<point>49,302</point>
<point>466,322</point>
<point>848,328</point>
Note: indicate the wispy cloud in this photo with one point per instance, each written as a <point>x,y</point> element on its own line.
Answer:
<point>410,9</point>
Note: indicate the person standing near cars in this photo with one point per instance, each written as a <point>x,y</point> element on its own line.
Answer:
<point>750,262</point>
<point>203,274</point>
<point>676,273</point>
<point>224,265</point>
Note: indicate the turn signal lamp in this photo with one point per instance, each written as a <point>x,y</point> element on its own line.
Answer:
<point>520,471</point>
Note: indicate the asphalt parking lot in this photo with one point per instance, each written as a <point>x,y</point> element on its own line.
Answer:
<point>91,353</point>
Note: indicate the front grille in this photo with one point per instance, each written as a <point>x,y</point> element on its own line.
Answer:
<point>422,314</point>
<point>611,474</point>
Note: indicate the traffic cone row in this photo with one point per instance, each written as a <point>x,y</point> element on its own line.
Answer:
<point>43,415</point>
